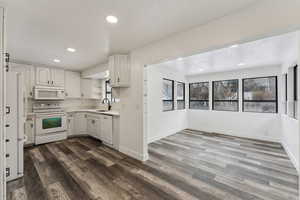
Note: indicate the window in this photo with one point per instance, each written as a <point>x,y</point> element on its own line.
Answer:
<point>260,95</point>
<point>295,92</point>
<point>199,96</point>
<point>180,96</point>
<point>168,95</point>
<point>108,93</point>
<point>225,95</point>
<point>285,83</point>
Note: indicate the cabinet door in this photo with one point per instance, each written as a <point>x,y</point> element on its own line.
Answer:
<point>119,70</point>
<point>106,129</point>
<point>86,88</point>
<point>58,77</point>
<point>72,84</point>
<point>42,76</point>
<point>80,123</point>
<point>70,125</point>
<point>29,131</point>
<point>29,78</point>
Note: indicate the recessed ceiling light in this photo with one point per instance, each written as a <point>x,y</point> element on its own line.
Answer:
<point>180,59</point>
<point>234,46</point>
<point>112,19</point>
<point>56,60</point>
<point>71,49</point>
<point>241,64</point>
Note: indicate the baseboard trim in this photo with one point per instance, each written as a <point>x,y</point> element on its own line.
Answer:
<point>291,156</point>
<point>134,154</point>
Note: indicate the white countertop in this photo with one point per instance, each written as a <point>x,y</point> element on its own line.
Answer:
<point>94,111</point>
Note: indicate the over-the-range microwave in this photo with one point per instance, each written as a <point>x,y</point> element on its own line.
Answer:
<point>48,93</point>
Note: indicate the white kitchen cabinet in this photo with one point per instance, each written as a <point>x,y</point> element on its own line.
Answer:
<point>43,76</point>
<point>94,126</point>
<point>70,125</point>
<point>57,77</point>
<point>80,123</point>
<point>49,77</point>
<point>28,74</point>
<point>119,70</point>
<point>29,131</point>
<point>106,129</point>
<point>91,88</point>
<point>72,84</point>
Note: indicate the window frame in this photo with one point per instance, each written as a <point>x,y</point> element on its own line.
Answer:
<point>237,101</point>
<point>183,95</point>
<point>108,92</point>
<point>198,100</point>
<point>261,101</point>
<point>173,105</point>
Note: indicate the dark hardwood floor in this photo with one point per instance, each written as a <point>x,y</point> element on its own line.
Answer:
<point>188,165</point>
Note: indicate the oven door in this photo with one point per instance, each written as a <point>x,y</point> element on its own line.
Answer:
<point>50,123</point>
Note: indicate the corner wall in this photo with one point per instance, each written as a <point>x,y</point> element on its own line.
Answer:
<point>162,124</point>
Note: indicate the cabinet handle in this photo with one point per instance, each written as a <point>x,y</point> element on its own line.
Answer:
<point>7,109</point>
<point>31,125</point>
<point>30,94</point>
<point>52,82</point>
<point>7,140</point>
<point>66,94</point>
<point>118,79</point>
<point>48,82</point>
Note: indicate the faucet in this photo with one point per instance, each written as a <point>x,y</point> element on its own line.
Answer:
<point>106,100</point>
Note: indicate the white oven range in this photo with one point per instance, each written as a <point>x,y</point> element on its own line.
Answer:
<point>50,122</point>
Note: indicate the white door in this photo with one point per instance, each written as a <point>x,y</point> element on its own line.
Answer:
<point>70,125</point>
<point>58,77</point>
<point>80,123</point>
<point>42,76</point>
<point>106,129</point>
<point>72,84</point>
<point>14,125</point>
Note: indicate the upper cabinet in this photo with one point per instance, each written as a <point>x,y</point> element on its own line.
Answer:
<point>49,77</point>
<point>29,77</point>
<point>58,77</point>
<point>119,70</point>
<point>72,84</point>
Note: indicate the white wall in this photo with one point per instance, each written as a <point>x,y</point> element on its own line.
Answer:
<point>269,17</point>
<point>263,126</point>
<point>290,126</point>
<point>161,124</point>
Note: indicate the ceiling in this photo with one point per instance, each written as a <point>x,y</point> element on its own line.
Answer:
<point>270,51</point>
<point>40,30</point>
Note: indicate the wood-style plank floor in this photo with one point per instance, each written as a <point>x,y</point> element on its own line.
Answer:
<point>188,165</point>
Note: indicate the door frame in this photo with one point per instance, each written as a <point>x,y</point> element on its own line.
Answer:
<point>2,103</point>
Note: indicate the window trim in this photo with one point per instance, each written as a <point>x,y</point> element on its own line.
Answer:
<point>198,100</point>
<point>261,101</point>
<point>106,92</point>
<point>295,72</point>
<point>237,101</point>
<point>173,107</point>
<point>183,95</point>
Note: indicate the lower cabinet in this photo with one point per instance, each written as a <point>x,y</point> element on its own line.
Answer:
<point>96,125</point>
<point>29,131</point>
<point>106,129</point>
<point>80,123</point>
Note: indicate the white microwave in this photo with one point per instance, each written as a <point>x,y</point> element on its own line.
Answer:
<point>49,93</point>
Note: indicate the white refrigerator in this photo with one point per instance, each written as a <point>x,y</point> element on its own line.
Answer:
<point>15,122</point>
